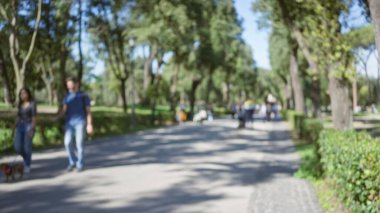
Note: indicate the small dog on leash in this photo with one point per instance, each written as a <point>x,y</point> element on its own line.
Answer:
<point>10,170</point>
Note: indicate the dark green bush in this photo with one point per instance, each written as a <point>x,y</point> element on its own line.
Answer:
<point>284,114</point>
<point>311,128</point>
<point>352,161</point>
<point>47,133</point>
<point>6,139</point>
<point>304,128</point>
<point>116,123</point>
<point>296,122</point>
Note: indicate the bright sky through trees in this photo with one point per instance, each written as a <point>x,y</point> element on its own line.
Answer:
<point>253,36</point>
<point>257,39</point>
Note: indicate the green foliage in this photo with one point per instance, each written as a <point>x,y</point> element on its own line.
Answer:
<point>279,50</point>
<point>311,130</point>
<point>296,120</point>
<point>363,94</point>
<point>120,123</point>
<point>331,49</point>
<point>160,92</point>
<point>267,82</point>
<point>309,167</point>
<point>363,37</point>
<point>303,127</point>
<point>351,160</point>
<point>6,140</point>
<point>307,131</point>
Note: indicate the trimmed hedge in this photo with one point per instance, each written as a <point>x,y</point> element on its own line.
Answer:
<point>105,123</point>
<point>296,120</point>
<point>308,130</point>
<point>311,129</point>
<point>304,128</point>
<point>116,123</point>
<point>352,161</point>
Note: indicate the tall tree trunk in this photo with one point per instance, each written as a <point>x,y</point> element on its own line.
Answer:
<point>80,71</point>
<point>61,83</point>
<point>340,103</point>
<point>14,47</point>
<point>354,95</point>
<point>173,89</point>
<point>316,96</point>
<point>133,93</point>
<point>20,69</point>
<point>226,90</point>
<point>148,74</point>
<point>153,103</point>
<point>378,80</point>
<point>5,81</point>
<point>370,95</point>
<point>50,94</point>
<point>148,66</point>
<point>288,95</point>
<point>64,53</point>
<point>297,35</point>
<point>123,94</point>
<point>194,85</point>
<point>296,82</point>
<point>156,84</point>
<point>210,85</point>
<point>374,7</point>
<point>47,77</point>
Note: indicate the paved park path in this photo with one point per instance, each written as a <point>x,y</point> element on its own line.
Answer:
<point>213,167</point>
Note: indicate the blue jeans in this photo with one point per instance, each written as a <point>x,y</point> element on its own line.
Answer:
<point>75,131</point>
<point>23,142</point>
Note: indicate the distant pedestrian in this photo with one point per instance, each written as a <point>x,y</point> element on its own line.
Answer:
<point>234,110</point>
<point>374,109</point>
<point>270,102</point>
<point>249,108</point>
<point>25,127</point>
<point>76,106</point>
<point>241,115</point>
<point>210,113</point>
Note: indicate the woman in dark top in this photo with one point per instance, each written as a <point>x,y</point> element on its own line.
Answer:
<point>25,127</point>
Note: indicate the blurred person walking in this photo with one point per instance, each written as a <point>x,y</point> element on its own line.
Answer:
<point>78,120</point>
<point>25,127</point>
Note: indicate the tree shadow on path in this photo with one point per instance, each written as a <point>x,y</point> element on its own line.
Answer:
<point>190,146</point>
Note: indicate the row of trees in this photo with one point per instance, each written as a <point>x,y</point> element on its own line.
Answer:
<point>41,35</point>
<point>157,50</point>
<point>313,54</point>
<point>170,51</point>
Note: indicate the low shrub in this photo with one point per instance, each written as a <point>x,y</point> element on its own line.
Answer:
<point>6,133</point>
<point>307,130</point>
<point>117,123</point>
<point>311,128</point>
<point>105,123</point>
<point>304,128</point>
<point>352,161</point>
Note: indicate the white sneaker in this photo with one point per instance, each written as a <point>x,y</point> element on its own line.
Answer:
<point>26,169</point>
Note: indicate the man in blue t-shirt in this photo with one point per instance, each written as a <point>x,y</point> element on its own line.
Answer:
<point>76,106</point>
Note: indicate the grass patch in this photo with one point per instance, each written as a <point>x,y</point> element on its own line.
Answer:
<point>327,197</point>
<point>309,170</point>
<point>309,162</point>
